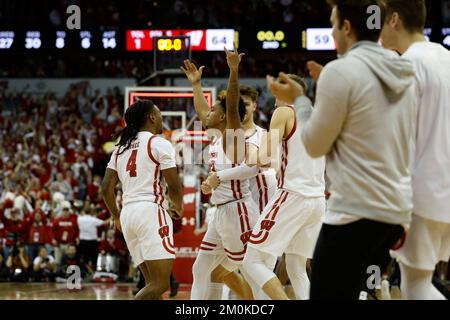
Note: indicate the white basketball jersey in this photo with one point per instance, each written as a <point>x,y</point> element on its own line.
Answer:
<point>139,168</point>
<point>299,172</point>
<point>263,185</point>
<point>227,191</point>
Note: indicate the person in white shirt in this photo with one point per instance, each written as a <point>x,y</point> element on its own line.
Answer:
<point>428,240</point>
<point>88,224</point>
<point>363,121</point>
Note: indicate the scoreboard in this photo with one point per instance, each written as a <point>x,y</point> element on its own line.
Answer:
<point>201,40</point>
<point>293,39</point>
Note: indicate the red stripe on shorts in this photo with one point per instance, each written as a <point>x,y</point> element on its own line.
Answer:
<point>236,253</point>
<point>166,247</point>
<point>279,206</point>
<point>209,244</point>
<point>241,218</point>
<point>260,194</point>
<point>246,216</point>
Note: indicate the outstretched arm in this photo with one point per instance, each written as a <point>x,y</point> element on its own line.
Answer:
<point>194,75</point>
<point>233,60</point>
<point>231,146</point>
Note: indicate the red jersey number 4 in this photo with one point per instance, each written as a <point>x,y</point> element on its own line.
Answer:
<point>131,165</point>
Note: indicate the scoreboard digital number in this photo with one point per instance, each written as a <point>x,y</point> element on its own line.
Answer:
<point>171,44</point>
<point>170,52</point>
<point>6,39</point>
<point>315,39</point>
<point>446,37</point>
<point>272,40</point>
<point>33,40</point>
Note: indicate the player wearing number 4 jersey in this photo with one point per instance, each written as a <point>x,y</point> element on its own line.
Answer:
<point>145,166</point>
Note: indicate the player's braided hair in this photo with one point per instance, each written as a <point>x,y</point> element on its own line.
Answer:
<point>135,118</point>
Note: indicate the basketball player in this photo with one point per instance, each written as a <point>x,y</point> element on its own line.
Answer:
<point>363,121</point>
<point>262,182</point>
<point>228,232</point>
<point>145,166</point>
<point>428,240</point>
<point>290,223</point>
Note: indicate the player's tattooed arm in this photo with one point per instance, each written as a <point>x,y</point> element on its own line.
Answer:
<point>194,75</point>
<point>109,195</point>
<point>175,192</point>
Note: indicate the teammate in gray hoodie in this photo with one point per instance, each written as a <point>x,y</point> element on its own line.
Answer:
<point>363,121</point>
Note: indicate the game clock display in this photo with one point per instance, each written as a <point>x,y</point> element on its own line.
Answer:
<point>170,52</point>
<point>172,44</point>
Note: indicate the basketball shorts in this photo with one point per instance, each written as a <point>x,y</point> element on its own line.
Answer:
<point>229,230</point>
<point>426,243</point>
<point>290,224</point>
<point>148,231</point>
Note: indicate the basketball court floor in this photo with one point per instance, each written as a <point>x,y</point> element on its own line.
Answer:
<point>96,291</point>
<point>88,291</point>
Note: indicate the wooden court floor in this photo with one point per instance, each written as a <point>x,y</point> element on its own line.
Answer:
<point>88,291</point>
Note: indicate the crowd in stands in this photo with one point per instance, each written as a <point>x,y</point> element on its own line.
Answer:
<point>179,13</point>
<point>104,14</point>
<point>51,163</point>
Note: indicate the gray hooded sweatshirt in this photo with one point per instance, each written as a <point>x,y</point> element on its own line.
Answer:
<point>363,122</point>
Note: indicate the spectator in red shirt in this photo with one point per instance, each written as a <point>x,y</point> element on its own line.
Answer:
<point>65,232</point>
<point>15,227</point>
<point>93,189</point>
<point>36,233</point>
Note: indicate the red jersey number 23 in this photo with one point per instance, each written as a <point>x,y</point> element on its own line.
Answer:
<point>131,165</point>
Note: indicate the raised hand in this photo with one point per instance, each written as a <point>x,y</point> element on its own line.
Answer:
<point>284,88</point>
<point>213,181</point>
<point>206,188</point>
<point>314,69</point>
<point>234,58</point>
<point>193,74</point>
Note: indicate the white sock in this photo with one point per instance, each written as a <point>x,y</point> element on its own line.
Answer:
<point>296,270</point>
<point>215,291</point>
<point>417,284</point>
